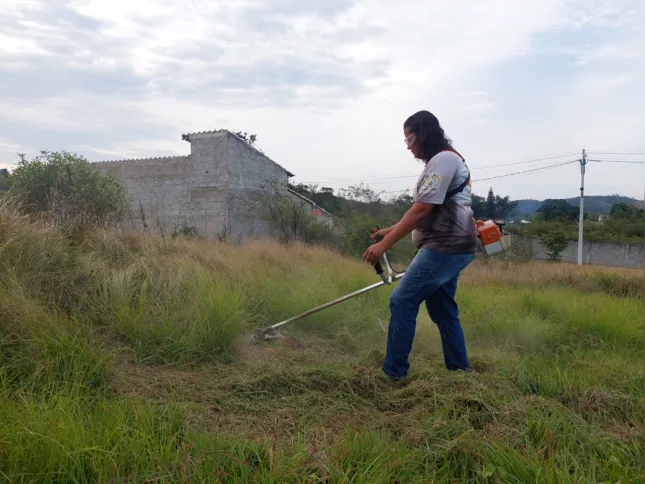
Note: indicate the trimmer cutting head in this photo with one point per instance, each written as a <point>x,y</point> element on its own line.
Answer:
<point>267,334</point>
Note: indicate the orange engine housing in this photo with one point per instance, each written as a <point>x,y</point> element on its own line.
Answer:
<point>491,237</point>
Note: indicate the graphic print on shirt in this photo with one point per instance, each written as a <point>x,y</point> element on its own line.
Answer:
<point>428,184</point>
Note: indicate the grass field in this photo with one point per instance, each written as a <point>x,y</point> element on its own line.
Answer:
<point>126,359</point>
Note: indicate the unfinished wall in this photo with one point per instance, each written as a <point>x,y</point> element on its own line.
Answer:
<point>209,183</point>
<point>598,253</point>
<point>157,188</point>
<point>250,173</point>
<point>211,190</point>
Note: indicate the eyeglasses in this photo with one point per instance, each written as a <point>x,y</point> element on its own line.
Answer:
<point>409,141</point>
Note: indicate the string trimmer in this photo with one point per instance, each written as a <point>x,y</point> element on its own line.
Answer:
<point>271,332</point>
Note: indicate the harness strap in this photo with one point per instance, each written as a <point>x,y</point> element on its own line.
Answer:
<point>459,189</point>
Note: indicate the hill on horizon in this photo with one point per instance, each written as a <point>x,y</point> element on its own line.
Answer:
<point>593,203</point>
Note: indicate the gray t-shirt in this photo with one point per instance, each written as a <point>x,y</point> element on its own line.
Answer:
<point>450,226</point>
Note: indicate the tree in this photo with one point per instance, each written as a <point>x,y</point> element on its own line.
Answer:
<point>491,207</point>
<point>361,193</point>
<point>504,206</point>
<point>558,210</point>
<point>401,204</point>
<point>478,206</point>
<point>290,218</point>
<point>68,191</point>
<point>554,241</point>
<point>5,179</point>
<point>622,211</point>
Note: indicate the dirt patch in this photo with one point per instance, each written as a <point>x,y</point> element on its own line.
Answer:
<point>474,410</point>
<point>624,432</point>
<point>309,349</point>
<point>614,405</point>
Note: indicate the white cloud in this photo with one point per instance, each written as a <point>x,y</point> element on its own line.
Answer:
<point>327,85</point>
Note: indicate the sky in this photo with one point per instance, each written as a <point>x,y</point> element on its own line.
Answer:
<point>327,85</point>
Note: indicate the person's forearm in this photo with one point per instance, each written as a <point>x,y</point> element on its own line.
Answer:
<point>404,226</point>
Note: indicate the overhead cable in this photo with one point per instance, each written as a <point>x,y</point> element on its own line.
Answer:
<point>533,160</point>
<point>619,161</point>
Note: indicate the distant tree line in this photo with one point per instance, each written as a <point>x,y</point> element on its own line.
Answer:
<point>75,197</point>
<point>363,198</point>
<point>626,223</point>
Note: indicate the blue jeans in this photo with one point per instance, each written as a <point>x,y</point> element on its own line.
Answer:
<point>431,277</point>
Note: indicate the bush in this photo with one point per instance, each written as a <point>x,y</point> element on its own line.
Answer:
<point>290,219</point>
<point>68,192</point>
<point>554,242</point>
<point>5,180</point>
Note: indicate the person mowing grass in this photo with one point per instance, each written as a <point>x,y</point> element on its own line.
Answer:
<point>445,235</point>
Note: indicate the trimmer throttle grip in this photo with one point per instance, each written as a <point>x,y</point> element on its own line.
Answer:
<point>378,238</point>
<point>379,268</point>
<point>375,229</point>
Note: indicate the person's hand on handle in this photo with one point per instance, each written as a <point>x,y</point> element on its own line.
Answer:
<point>381,233</point>
<point>374,252</point>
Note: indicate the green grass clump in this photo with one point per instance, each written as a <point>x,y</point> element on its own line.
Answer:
<point>178,313</point>
<point>47,354</point>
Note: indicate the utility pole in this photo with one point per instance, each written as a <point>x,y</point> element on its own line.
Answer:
<point>583,163</point>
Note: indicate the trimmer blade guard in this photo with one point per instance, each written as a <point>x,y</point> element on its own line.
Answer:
<point>267,334</point>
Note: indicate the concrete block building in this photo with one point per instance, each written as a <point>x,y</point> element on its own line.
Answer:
<point>210,190</point>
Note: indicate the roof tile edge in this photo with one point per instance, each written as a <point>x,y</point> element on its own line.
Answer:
<point>155,158</point>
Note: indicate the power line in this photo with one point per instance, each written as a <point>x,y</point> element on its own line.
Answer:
<point>533,160</point>
<point>542,168</point>
<point>550,167</point>
<point>618,161</point>
<point>525,161</point>
<point>616,153</point>
<point>527,171</point>
<point>332,182</point>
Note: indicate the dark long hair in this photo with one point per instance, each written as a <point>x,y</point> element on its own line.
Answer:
<point>429,133</point>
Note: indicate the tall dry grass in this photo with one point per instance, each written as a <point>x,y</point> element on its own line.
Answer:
<point>189,301</point>
<point>616,281</point>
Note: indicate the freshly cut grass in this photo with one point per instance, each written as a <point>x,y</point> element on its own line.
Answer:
<point>126,362</point>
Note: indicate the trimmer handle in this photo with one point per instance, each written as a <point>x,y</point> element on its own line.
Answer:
<point>375,229</point>
<point>377,266</point>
